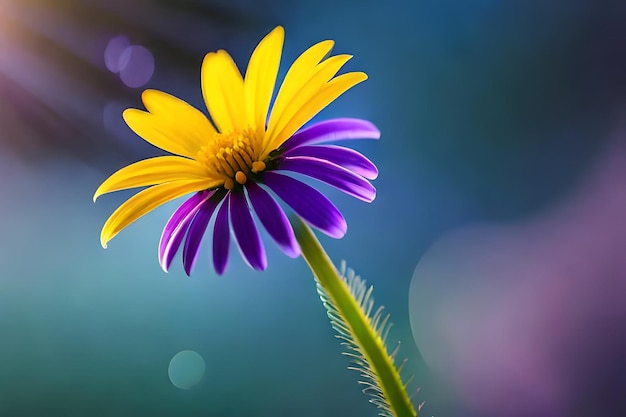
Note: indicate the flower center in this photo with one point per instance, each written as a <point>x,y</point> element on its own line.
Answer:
<point>232,156</point>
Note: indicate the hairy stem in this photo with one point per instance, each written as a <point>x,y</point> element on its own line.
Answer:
<point>358,323</point>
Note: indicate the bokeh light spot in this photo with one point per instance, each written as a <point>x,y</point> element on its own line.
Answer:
<point>113,53</point>
<point>139,66</point>
<point>186,369</point>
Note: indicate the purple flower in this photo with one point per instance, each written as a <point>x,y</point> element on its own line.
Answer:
<point>234,163</point>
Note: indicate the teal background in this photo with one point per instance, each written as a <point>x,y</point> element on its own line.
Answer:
<point>502,132</point>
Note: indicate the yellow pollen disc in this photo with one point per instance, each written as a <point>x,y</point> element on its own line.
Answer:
<point>231,156</point>
<point>240,177</point>
<point>258,166</point>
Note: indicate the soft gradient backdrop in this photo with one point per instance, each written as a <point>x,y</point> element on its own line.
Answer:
<point>497,240</point>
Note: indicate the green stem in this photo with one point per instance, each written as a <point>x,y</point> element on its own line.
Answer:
<point>359,324</point>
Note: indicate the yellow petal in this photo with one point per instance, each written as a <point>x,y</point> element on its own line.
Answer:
<point>222,89</point>
<point>311,84</point>
<point>145,201</point>
<point>192,121</point>
<point>261,77</point>
<point>323,98</point>
<point>174,136</point>
<point>153,171</point>
<point>189,124</point>
<point>297,75</point>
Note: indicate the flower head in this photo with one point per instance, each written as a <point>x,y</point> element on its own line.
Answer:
<point>231,163</point>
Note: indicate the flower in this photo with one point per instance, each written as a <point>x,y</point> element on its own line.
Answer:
<point>231,164</point>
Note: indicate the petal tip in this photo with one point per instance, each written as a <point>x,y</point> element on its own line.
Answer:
<point>371,196</point>
<point>261,266</point>
<point>220,268</point>
<point>104,238</point>
<point>327,44</point>
<point>99,191</point>
<point>341,228</point>
<point>339,234</point>
<point>130,115</point>
<point>278,31</point>
<point>209,55</point>
<point>292,252</point>
<point>375,131</point>
<point>148,94</point>
<point>163,264</point>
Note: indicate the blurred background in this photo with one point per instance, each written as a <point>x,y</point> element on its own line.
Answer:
<point>497,241</point>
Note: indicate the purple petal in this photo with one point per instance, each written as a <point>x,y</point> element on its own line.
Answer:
<point>333,130</point>
<point>308,203</point>
<point>221,239</point>
<point>196,231</point>
<point>331,174</point>
<point>338,155</point>
<point>246,233</point>
<point>176,227</point>
<point>274,219</point>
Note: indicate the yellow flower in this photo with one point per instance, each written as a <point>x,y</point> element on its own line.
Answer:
<point>224,160</point>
